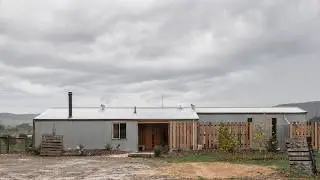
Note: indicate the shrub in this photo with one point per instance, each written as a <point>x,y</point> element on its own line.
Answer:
<point>2,127</point>
<point>157,151</point>
<point>226,140</point>
<point>108,147</point>
<point>34,151</point>
<point>81,149</point>
<point>260,139</point>
<point>272,144</point>
<point>118,147</point>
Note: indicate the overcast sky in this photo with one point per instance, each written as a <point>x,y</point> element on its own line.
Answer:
<point>131,52</point>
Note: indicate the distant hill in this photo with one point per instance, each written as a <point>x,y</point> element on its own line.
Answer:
<point>312,107</point>
<point>9,119</point>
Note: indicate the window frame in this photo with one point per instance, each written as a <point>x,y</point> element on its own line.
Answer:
<point>119,131</point>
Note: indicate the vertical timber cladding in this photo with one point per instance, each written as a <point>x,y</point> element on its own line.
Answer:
<point>181,134</point>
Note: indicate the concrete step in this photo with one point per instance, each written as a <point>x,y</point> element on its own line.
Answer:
<point>141,155</point>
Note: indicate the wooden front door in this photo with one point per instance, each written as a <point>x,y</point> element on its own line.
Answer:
<point>152,135</point>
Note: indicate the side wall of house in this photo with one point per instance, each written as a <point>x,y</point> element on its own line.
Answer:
<point>263,121</point>
<point>93,134</point>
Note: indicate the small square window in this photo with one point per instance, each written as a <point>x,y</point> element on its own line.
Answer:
<point>249,120</point>
<point>119,131</point>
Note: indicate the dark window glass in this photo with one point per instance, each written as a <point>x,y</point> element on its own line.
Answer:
<point>116,131</point>
<point>249,120</point>
<point>123,131</point>
<point>274,126</point>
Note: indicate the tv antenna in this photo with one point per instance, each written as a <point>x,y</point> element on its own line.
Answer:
<point>162,101</point>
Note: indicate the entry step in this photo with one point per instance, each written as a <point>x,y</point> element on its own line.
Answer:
<point>141,155</point>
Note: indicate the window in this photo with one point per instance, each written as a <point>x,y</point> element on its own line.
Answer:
<point>119,131</point>
<point>274,126</point>
<point>249,120</point>
<point>123,131</point>
<point>116,129</point>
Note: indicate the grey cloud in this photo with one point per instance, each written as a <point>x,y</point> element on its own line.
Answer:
<point>205,52</point>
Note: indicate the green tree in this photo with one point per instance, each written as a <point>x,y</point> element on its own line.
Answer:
<point>259,138</point>
<point>227,142</point>
<point>273,144</point>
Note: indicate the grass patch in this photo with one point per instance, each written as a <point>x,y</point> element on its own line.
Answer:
<point>279,160</point>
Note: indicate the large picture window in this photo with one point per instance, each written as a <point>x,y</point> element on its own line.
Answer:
<point>119,131</point>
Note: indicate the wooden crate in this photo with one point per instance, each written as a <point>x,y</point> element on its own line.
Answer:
<point>51,146</point>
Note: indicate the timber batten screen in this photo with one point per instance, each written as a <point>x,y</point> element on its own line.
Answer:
<point>196,135</point>
<point>182,135</point>
<point>208,134</point>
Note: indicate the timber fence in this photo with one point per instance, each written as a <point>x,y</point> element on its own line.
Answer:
<point>312,130</point>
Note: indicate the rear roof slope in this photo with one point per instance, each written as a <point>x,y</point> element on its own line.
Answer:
<point>247,110</point>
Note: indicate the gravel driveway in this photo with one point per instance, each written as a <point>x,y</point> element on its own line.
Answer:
<point>30,167</point>
<point>121,167</point>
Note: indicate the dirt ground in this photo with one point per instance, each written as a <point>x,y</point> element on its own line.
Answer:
<point>104,167</point>
<point>216,170</point>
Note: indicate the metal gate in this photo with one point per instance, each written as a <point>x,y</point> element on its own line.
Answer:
<point>14,144</point>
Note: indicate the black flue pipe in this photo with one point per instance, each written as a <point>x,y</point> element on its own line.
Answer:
<point>70,104</point>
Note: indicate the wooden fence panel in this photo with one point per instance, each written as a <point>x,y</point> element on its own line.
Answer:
<point>186,135</point>
<point>299,129</point>
<point>208,134</point>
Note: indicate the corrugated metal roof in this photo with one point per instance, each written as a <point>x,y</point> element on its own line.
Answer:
<point>120,113</point>
<point>243,110</point>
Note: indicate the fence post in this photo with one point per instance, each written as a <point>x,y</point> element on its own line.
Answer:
<point>25,143</point>
<point>315,135</point>
<point>8,144</point>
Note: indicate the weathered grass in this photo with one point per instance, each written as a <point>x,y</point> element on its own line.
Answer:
<point>267,159</point>
<point>278,161</point>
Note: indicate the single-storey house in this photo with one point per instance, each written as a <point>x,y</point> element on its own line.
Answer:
<point>264,118</point>
<point>129,129</point>
<point>136,128</point>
